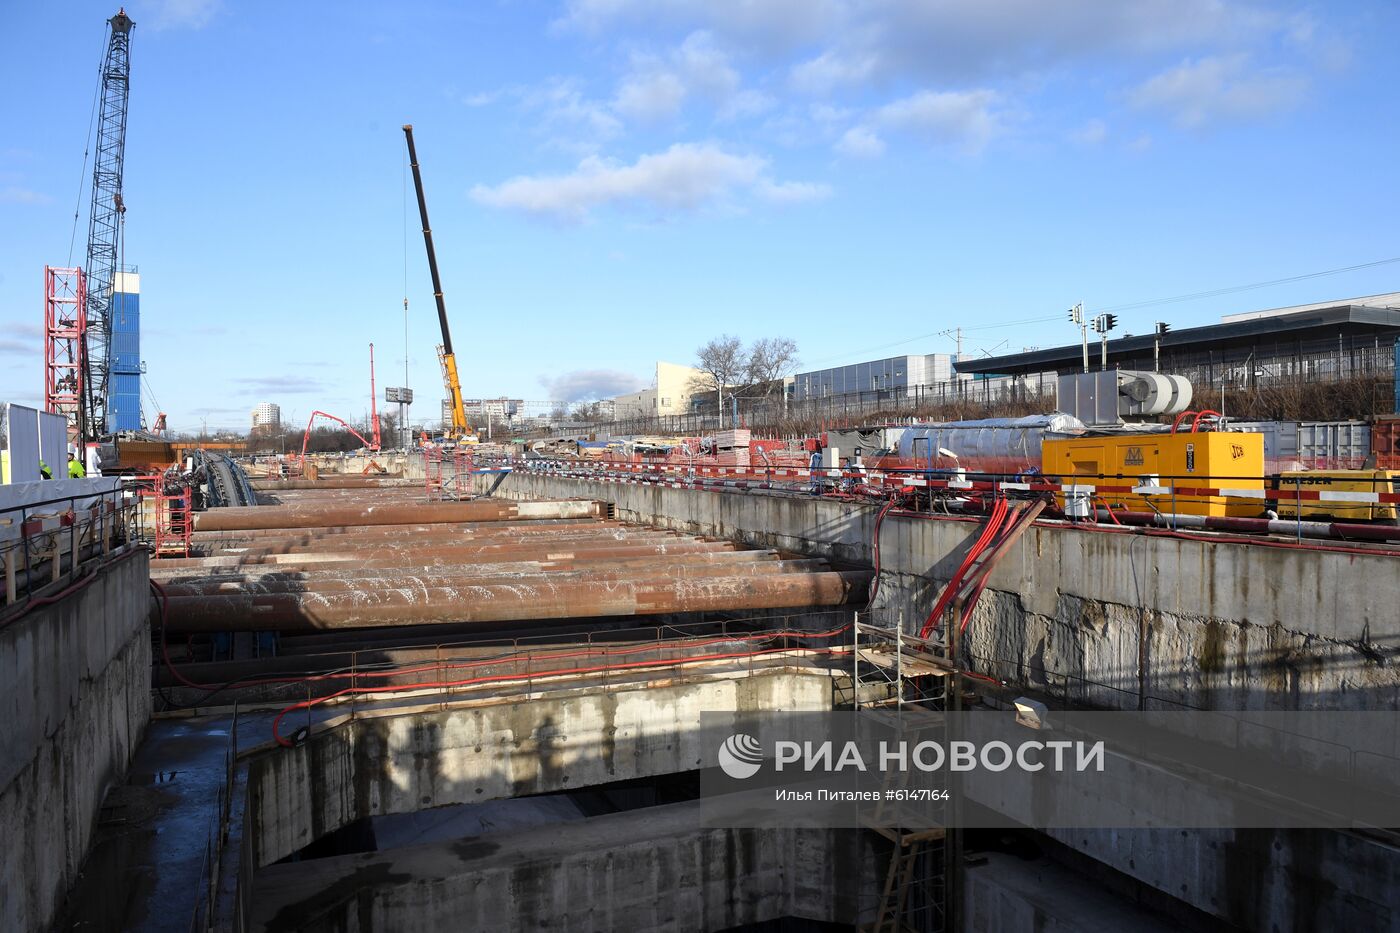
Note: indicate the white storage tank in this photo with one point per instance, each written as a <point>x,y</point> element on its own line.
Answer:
<point>988,445</point>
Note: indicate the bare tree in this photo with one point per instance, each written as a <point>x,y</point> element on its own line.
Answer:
<point>589,412</point>
<point>725,361</point>
<point>771,360</point>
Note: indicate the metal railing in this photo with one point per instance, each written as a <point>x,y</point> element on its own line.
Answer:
<point>53,539</point>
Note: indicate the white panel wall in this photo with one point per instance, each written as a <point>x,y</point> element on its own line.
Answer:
<point>53,443</point>
<point>22,441</point>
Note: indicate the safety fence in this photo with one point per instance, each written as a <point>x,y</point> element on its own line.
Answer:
<point>47,538</point>
<point>1249,504</point>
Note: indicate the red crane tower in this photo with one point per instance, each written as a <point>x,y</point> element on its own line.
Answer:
<point>65,326</point>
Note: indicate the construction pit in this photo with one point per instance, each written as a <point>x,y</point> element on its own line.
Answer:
<point>353,675</point>
<point>370,710</point>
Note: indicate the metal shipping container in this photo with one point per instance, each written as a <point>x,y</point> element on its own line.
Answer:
<point>1385,443</point>
<point>1311,445</point>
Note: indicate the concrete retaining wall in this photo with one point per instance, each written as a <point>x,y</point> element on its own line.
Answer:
<point>656,869</point>
<point>1226,625</point>
<point>402,764</point>
<point>74,702</point>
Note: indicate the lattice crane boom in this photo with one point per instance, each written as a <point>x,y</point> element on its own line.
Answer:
<point>105,221</point>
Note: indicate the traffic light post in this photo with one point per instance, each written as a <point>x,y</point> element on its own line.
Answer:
<point>1076,316</point>
<point>1157,335</point>
<point>1102,324</point>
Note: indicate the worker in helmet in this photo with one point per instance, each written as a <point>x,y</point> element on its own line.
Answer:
<point>75,467</point>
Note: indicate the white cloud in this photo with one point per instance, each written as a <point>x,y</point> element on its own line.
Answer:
<point>651,97</point>
<point>683,178</point>
<point>744,104</point>
<point>834,69</point>
<point>832,50</point>
<point>829,115</point>
<point>576,121</point>
<point>705,66</point>
<point>176,14</point>
<point>960,118</point>
<point>1092,133</point>
<point>776,24</point>
<point>587,384</point>
<point>9,347</point>
<point>482,98</point>
<point>263,385</point>
<point>792,192</point>
<point>656,88</point>
<point>1201,92</point>
<point>860,142</point>
<point>861,40</point>
<point>15,194</point>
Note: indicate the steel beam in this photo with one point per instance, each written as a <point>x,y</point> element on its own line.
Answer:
<point>511,602</point>
<point>448,577</point>
<point>292,516</point>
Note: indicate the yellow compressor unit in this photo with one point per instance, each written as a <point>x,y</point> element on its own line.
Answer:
<point>1166,462</point>
<point>1337,483</point>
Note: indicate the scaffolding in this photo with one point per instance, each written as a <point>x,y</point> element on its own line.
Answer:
<point>432,472</point>
<point>173,524</point>
<point>463,464</point>
<point>65,325</point>
<point>909,684</point>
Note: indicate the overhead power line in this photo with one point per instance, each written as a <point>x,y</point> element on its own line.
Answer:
<point>1153,302</point>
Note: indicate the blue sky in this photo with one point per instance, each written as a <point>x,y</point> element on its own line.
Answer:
<point>616,181</point>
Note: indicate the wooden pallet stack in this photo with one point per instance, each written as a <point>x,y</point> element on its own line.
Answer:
<point>732,448</point>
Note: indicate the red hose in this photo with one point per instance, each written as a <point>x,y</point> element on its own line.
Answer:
<point>86,580</point>
<point>999,510</point>
<point>1109,510</point>
<point>971,602</point>
<point>1178,419</point>
<point>875,547</point>
<point>1195,422</point>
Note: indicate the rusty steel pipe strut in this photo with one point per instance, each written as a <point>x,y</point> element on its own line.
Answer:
<point>238,518</point>
<point>435,541</point>
<point>419,582</point>
<point>530,549</point>
<point>196,571</point>
<point>505,603</point>
<point>435,546</point>
<point>443,556</point>
<point>263,484</point>
<point>498,552</point>
<point>356,571</point>
<point>483,658</point>
<point>449,533</point>
<point>341,532</point>
<point>345,495</point>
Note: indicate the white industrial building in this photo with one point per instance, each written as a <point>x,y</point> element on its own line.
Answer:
<point>899,375</point>
<point>670,394</point>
